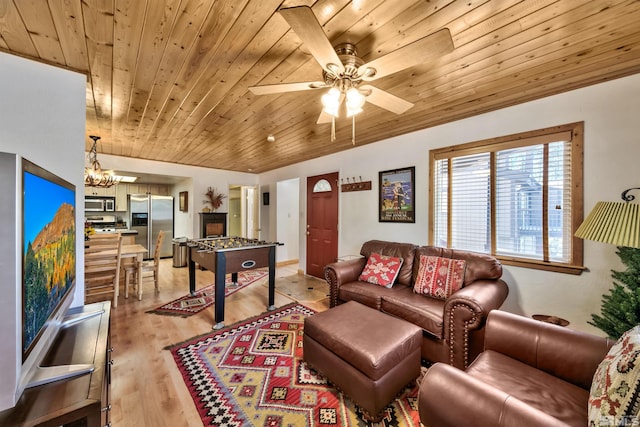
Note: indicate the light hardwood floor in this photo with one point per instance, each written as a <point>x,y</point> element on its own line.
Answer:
<point>147,388</point>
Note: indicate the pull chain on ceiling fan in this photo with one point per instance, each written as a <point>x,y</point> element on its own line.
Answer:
<point>344,72</point>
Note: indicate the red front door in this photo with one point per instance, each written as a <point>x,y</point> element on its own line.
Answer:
<point>322,222</point>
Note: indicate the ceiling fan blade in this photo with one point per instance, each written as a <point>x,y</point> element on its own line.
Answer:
<point>285,87</point>
<point>418,52</point>
<point>324,117</point>
<point>386,100</point>
<point>304,23</point>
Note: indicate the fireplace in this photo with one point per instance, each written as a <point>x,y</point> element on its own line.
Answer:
<point>213,224</point>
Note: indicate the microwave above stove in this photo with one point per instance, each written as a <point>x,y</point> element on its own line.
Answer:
<point>99,204</point>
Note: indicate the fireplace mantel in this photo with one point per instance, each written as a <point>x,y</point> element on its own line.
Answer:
<point>213,224</point>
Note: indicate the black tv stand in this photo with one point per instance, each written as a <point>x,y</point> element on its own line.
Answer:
<point>81,397</point>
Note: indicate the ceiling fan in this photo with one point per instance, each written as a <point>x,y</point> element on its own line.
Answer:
<point>347,74</point>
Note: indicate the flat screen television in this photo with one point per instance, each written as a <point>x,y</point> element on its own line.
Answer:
<point>48,271</point>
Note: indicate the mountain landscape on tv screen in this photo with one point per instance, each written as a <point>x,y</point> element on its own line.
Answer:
<point>49,270</point>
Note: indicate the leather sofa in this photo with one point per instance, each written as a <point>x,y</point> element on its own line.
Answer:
<point>453,329</point>
<point>531,374</point>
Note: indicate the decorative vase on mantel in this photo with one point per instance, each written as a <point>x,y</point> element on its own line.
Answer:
<point>214,199</point>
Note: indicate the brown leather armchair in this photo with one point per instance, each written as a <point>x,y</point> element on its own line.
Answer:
<point>453,329</point>
<point>530,374</point>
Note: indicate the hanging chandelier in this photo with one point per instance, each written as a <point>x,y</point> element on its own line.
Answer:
<point>94,176</point>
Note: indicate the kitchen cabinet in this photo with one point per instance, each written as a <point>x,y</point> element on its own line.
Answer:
<point>155,189</point>
<point>120,192</point>
<point>159,189</point>
<point>100,191</point>
<point>137,189</point>
<point>121,197</point>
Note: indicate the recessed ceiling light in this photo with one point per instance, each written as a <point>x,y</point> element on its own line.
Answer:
<point>271,138</point>
<point>121,178</point>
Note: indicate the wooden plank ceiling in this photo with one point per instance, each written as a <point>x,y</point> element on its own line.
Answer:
<point>168,80</point>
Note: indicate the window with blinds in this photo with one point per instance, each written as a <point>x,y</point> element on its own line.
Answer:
<point>518,198</point>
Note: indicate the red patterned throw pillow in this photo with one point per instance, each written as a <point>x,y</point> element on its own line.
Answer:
<point>614,398</point>
<point>381,270</point>
<point>439,277</point>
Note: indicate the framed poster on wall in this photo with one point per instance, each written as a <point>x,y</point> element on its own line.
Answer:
<point>397,195</point>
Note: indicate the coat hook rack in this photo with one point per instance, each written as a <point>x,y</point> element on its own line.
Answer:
<point>354,184</point>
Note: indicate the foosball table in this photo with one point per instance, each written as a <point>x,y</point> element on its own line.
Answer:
<point>223,255</point>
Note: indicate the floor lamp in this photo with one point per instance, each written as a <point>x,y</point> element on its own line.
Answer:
<point>616,223</point>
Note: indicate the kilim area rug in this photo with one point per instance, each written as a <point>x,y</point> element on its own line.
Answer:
<point>191,304</point>
<point>252,374</point>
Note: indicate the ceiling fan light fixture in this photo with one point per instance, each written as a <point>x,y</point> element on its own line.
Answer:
<point>333,68</point>
<point>331,111</point>
<point>355,100</point>
<point>344,71</point>
<point>353,111</point>
<point>331,101</point>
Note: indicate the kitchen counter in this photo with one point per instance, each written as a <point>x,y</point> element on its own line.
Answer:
<point>123,231</point>
<point>127,232</point>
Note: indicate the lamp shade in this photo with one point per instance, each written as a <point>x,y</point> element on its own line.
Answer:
<point>616,223</point>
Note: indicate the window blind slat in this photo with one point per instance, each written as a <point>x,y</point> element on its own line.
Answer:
<point>470,215</point>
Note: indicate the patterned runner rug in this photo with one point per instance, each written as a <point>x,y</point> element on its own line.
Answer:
<point>252,374</point>
<point>191,304</point>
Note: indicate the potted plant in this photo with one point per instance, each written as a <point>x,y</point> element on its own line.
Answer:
<point>620,309</point>
<point>213,198</point>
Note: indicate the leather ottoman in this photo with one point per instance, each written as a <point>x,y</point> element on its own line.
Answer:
<point>368,355</point>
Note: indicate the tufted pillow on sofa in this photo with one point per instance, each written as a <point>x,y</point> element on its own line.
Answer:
<point>400,250</point>
<point>439,277</point>
<point>614,398</point>
<point>381,270</point>
<point>479,266</point>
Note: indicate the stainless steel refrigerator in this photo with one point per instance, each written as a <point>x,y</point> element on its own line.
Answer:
<point>148,214</point>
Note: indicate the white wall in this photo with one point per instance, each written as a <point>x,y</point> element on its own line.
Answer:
<point>42,119</point>
<point>288,219</point>
<point>183,221</point>
<point>611,152</point>
<point>186,223</point>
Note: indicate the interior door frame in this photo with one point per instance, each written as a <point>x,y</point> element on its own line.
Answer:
<point>330,207</point>
<point>249,221</point>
